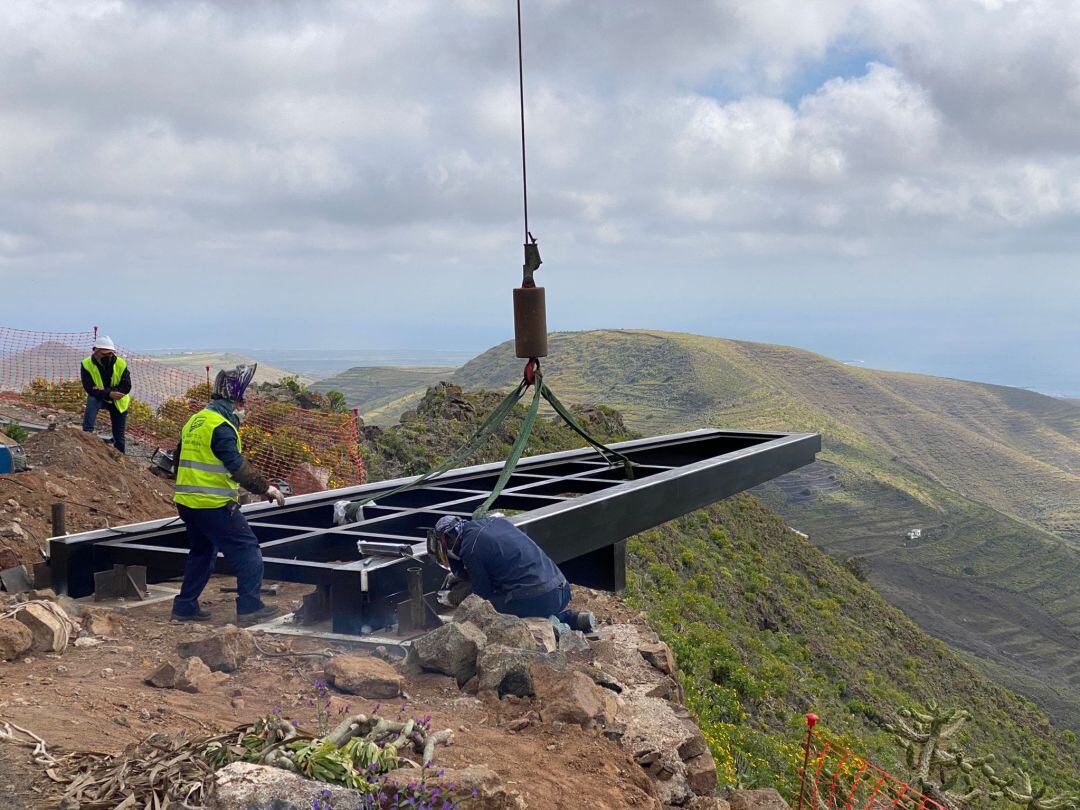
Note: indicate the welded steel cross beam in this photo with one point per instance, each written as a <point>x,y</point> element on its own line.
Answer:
<point>573,504</point>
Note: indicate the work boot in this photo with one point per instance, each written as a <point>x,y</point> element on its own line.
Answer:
<point>260,615</point>
<point>201,616</point>
<point>586,622</point>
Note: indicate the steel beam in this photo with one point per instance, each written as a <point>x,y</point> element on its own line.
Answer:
<point>573,504</point>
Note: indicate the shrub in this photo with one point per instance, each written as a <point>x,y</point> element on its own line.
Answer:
<point>16,432</point>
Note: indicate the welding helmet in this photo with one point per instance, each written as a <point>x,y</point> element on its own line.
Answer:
<point>441,538</point>
<point>233,383</point>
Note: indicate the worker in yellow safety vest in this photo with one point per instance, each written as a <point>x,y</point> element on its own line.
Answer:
<point>107,382</point>
<point>209,471</point>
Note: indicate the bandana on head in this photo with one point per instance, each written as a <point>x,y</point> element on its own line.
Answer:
<point>233,383</point>
<point>448,524</point>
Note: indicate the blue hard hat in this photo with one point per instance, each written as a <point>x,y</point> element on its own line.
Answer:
<point>448,524</point>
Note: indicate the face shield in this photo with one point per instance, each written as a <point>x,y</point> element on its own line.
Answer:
<point>233,383</point>
<point>437,550</point>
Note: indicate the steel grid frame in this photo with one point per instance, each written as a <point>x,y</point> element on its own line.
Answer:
<point>573,504</point>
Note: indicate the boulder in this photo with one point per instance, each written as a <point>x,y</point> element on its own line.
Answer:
<point>707,803</point>
<point>694,745</point>
<point>618,652</point>
<point>100,622</point>
<point>653,725</point>
<point>451,649</point>
<point>366,677</point>
<point>764,799</point>
<point>509,670</point>
<point>502,628</point>
<point>667,689</point>
<point>49,628</point>
<point>543,634</point>
<point>659,655</point>
<point>511,631</point>
<point>15,639</point>
<point>245,786</point>
<point>477,787</point>
<point>224,651</point>
<point>572,697</point>
<point>187,675</point>
<point>573,641</point>
<point>701,774</point>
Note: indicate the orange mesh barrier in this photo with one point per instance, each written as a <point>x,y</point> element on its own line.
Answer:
<point>311,450</point>
<point>834,778</point>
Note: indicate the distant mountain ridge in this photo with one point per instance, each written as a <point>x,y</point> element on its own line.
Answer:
<point>375,388</point>
<point>990,474</point>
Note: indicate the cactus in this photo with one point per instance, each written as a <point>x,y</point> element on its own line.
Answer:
<point>942,773</point>
<point>1024,794</point>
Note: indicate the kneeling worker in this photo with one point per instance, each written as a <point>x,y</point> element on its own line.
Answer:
<point>507,568</point>
<point>208,468</point>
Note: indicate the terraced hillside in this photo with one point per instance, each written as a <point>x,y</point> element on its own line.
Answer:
<point>196,362</point>
<point>382,393</point>
<point>764,625</point>
<point>990,474</point>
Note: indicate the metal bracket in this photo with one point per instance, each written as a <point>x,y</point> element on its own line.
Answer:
<point>532,262</point>
<point>122,582</point>
<point>16,579</point>
<point>416,614</point>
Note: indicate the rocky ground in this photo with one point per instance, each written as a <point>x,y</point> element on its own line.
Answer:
<point>99,486</point>
<point>538,720</point>
<point>551,736</point>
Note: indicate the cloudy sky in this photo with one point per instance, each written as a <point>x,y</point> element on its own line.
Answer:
<point>892,181</point>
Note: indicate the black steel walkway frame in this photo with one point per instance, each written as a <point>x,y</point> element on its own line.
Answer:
<point>573,504</point>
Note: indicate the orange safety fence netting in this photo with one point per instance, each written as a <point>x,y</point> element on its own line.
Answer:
<point>834,778</point>
<point>311,450</point>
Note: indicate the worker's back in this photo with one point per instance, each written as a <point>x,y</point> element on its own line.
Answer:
<point>504,561</point>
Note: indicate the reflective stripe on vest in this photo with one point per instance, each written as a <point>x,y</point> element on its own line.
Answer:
<point>117,374</point>
<point>202,482</point>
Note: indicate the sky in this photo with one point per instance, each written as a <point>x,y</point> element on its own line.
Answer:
<point>889,182</point>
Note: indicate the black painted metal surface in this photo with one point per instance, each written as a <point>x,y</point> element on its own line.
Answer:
<point>576,507</point>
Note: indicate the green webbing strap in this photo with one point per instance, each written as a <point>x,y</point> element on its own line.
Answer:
<point>482,434</point>
<point>602,449</point>
<point>515,453</point>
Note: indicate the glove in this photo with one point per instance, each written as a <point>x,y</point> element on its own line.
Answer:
<point>275,494</point>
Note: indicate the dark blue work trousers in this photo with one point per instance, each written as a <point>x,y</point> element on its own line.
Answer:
<point>552,603</point>
<point>209,531</point>
<point>119,420</point>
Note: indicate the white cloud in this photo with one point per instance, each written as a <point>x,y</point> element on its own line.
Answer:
<point>341,135</point>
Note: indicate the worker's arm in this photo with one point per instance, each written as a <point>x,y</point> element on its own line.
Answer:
<point>123,388</point>
<point>88,383</point>
<point>223,443</point>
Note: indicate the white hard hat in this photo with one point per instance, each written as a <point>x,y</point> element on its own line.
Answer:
<point>105,342</point>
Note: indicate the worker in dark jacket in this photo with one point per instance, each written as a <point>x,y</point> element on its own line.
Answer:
<point>507,568</point>
<point>209,468</point>
<point>107,382</point>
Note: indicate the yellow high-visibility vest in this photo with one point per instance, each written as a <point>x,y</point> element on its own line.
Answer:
<point>117,373</point>
<point>202,482</point>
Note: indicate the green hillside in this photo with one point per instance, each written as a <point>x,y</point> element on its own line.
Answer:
<point>382,393</point>
<point>990,474</point>
<point>764,625</point>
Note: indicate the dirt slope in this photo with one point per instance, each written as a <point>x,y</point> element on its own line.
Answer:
<point>100,487</point>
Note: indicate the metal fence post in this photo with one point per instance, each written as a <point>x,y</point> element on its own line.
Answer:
<point>811,721</point>
<point>59,523</point>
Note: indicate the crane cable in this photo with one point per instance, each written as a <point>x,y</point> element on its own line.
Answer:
<point>521,106</point>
